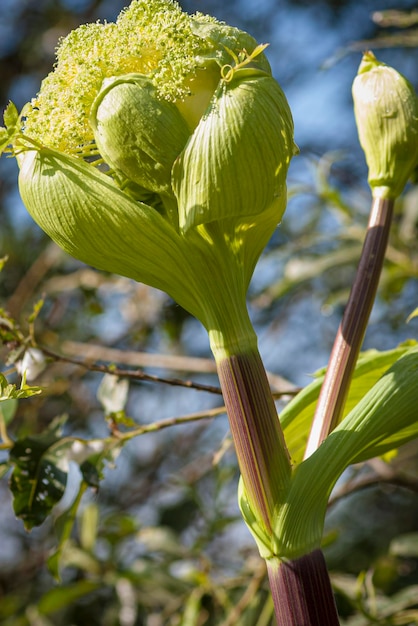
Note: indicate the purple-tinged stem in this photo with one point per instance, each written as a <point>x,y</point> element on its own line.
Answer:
<point>352,329</point>
<point>302,592</point>
<point>259,443</point>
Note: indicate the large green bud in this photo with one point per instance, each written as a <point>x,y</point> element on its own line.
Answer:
<point>386,111</point>
<point>236,161</point>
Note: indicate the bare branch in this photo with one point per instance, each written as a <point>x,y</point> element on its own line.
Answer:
<point>131,374</point>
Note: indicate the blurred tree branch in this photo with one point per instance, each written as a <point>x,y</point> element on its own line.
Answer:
<point>379,473</point>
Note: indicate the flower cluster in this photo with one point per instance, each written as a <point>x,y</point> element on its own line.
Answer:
<point>158,148</point>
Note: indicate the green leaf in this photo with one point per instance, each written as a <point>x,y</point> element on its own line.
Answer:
<point>4,468</point>
<point>384,418</point>
<point>405,546</point>
<point>39,476</point>
<point>36,310</point>
<point>11,116</point>
<point>61,597</point>
<point>94,461</point>
<point>88,526</point>
<point>8,410</point>
<point>11,121</point>
<point>63,527</point>
<point>4,139</point>
<point>91,475</point>
<point>160,539</point>
<point>74,556</point>
<point>9,330</point>
<point>412,315</point>
<point>296,418</point>
<point>192,607</point>
<point>11,392</point>
<point>118,526</point>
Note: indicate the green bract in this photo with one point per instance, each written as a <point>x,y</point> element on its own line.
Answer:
<point>386,417</point>
<point>158,149</point>
<point>85,213</point>
<point>386,110</point>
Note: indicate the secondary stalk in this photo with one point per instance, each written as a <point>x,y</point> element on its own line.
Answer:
<point>352,329</point>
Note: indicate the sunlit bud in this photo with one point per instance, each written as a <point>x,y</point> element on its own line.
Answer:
<point>386,111</point>
<point>236,162</point>
<point>138,134</point>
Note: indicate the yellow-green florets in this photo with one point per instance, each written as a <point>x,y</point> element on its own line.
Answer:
<point>141,41</point>
<point>151,37</point>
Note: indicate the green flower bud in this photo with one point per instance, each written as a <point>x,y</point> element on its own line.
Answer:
<point>386,111</point>
<point>236,161</point>
<point>138,134</point>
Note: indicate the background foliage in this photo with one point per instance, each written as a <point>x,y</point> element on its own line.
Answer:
<point>148,531</point>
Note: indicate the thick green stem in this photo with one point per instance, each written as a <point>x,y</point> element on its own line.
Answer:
<point>351,332</point>
<point>302,592</point>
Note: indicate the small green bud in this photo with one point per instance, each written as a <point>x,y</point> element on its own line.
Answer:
<point>138,134</point>
<point>386,111</point>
